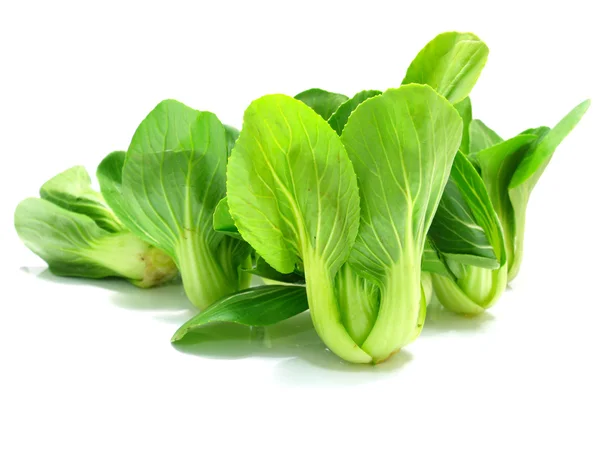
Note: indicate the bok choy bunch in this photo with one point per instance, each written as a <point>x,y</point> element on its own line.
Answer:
<point>77,234</point>
<point>361,209</point>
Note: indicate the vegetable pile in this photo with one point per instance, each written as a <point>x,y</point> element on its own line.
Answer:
<point>359,209</point>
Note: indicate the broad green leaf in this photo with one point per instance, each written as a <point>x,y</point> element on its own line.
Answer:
<point>466,227</point>
<point>258,307</point>
<point>339,118</point>
<point>110,177</point>
<point>451,64</point>
<point>482,137</point>
<point>293,195</point>
<point>72,190</point>
<point>324,103</point>
<point>74,245</point>
<point>402,144</point>
<point>466,114</point>
<point>172,180</point>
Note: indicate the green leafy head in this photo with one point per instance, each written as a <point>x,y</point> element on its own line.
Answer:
<point>166,188</point>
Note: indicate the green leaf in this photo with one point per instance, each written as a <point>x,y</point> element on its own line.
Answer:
<point>402,144</point>
<point>293,196</point>
<point>451,64</point>
<point>537,158</point>
<point>262,269</point>
<point>172,179</point>
<point>433,262</point>
<point>324,103</point>
<point>231,135</point>
<point>466,227</point>
<point>466,114</point>
<point>529,170</point>
<point>498,163</point>
<point>482,137</point>
<point>338,119</point>
<point>223,222</point>
<point>258,307</point>
<point>73,245</point>
<point>72,190</point>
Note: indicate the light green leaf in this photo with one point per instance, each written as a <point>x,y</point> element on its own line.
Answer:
<point>172,180</point>
<point>293,196</point>
<point>72,190</point>
<point>482,137</point>
<point>258,307</point>
<point>402,144</point>
<point>466,114</point>
<point>338,119</point>
<point>223,222</point>
<point>73,245</point>
<point>451,64</point>
<point>324,103</point>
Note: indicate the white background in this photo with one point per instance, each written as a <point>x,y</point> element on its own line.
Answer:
<point>89,365</point>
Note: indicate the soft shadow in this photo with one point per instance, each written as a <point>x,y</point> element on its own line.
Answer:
<point>307,360</point>
<point>440,320</point>
<point>167,298</point>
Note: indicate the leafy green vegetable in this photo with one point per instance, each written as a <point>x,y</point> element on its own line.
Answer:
<point>72,190</point>
<point>259,307</point>
<point>466,212</point>
<point>402,144</point>
<point>293,196</point>
<point>511,170</point>
<point>69,229</point>
<point>451,64</point>
<point>166,191</point>
<point>323,102</point>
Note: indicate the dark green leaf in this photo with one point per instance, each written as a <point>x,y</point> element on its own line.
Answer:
<point>260,306</point>
<point>324,103</point>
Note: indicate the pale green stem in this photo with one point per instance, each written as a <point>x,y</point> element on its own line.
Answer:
<point>399,310</point>
<point>358,303</point>
<point>130,257</point>
<point>325,312</point>
<point>204,281</point>
<point>465,296</point>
